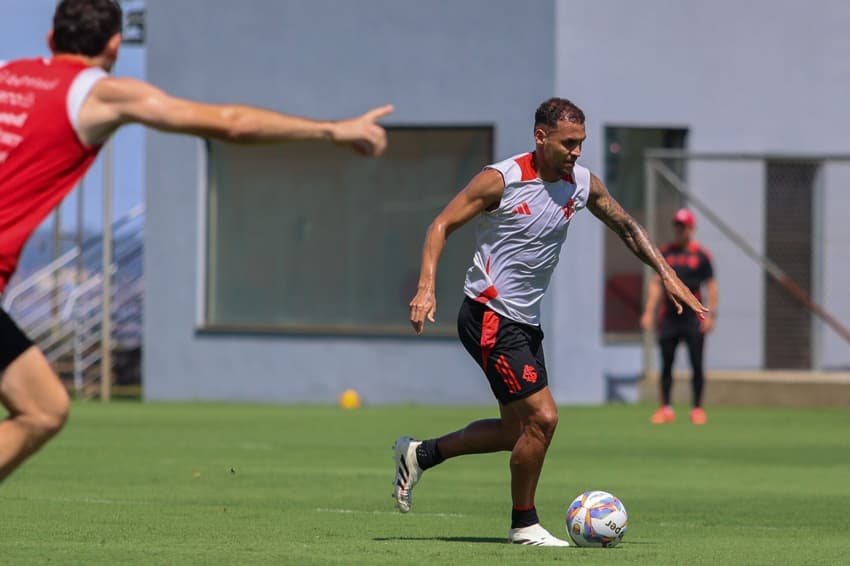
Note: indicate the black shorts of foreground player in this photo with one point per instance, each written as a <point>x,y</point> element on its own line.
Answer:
<point>524,205</point>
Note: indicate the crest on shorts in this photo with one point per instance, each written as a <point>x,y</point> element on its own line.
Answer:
<point>529,374</point>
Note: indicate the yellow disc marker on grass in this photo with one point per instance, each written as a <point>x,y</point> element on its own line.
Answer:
<point>350,399</point>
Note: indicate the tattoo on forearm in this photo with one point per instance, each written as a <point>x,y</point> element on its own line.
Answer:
<point>629,230</point>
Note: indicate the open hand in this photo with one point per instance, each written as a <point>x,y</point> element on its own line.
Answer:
<point>422,306</point>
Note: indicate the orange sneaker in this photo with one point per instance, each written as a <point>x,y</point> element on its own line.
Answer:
<point>698,416</point>
<point>663,415</point>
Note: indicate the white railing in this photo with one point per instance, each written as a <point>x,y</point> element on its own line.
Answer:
<point>60,305</point>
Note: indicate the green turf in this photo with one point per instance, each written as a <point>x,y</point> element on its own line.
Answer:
<point>130,483</point>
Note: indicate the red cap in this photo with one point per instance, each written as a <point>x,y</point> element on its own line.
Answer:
<point>685,216</point>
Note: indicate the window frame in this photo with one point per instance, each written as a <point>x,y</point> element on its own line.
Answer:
<point>615,337</point>
<point>206,263</point>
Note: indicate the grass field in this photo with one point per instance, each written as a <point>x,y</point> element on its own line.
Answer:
<point>132,483</point>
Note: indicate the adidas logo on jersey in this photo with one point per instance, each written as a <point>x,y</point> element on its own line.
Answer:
<point>522,209</point>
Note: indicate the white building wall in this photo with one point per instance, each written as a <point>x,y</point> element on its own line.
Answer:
<point>735,191</point>
<point>832,275</point>
<point>739,81</point>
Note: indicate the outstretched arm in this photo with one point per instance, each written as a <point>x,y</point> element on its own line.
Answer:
<point>607,209</point>
<point>483,191</point>
<point>114,102</point>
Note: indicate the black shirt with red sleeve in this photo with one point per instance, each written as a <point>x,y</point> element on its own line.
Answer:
<point>692,263</point>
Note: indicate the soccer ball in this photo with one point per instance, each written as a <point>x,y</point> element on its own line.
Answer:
<point>597,518</point>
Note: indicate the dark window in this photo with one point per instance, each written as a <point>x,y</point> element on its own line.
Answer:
<point>624,177</point>
<point>788,325</point>
<point>313,238</point>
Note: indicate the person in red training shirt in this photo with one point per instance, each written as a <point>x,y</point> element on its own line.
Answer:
<point>692,264</point>
<point>55,114</point>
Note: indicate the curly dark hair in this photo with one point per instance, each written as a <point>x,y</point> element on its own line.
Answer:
<point>83,27</point>
<point>554,110</point>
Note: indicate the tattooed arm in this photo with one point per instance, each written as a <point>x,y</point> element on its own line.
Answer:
<point>609,211</point>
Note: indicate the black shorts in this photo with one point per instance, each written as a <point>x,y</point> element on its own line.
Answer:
<point>13,342</point>
<point>509,352</point>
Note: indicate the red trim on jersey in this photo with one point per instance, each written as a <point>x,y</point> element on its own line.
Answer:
<point>489,329</point>
<point>526,166</point>
<point>487,294</point>
<point>569,209</point>
<point>568,178</point>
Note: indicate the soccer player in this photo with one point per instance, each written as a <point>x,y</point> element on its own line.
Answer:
<point>524,206</point>
<point>692,264</point>
<point>55,114</point>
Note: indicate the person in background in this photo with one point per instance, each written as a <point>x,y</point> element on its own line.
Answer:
<point>692,264</point>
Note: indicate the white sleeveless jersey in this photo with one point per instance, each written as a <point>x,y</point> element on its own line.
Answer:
<point>518,243</point>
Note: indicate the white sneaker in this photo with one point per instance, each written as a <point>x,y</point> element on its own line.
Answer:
<point>534,535</point>
<point>407,471</point>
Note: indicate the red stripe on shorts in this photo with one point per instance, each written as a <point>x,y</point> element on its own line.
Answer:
<point>489,329</point>
<point>508,375</point>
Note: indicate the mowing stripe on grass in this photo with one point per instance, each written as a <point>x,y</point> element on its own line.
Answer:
<point>360,512</point>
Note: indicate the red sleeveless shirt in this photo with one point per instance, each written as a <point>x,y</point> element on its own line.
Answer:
<point>41,156</point>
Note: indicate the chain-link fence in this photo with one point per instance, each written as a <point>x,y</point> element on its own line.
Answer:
<point>779,236</point>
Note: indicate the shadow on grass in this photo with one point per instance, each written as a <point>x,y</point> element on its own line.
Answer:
<point>490,540</point>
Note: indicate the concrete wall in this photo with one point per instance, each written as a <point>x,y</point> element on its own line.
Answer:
<point>735,191</point>
<point>740,80</point>
<point>832,269</point>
